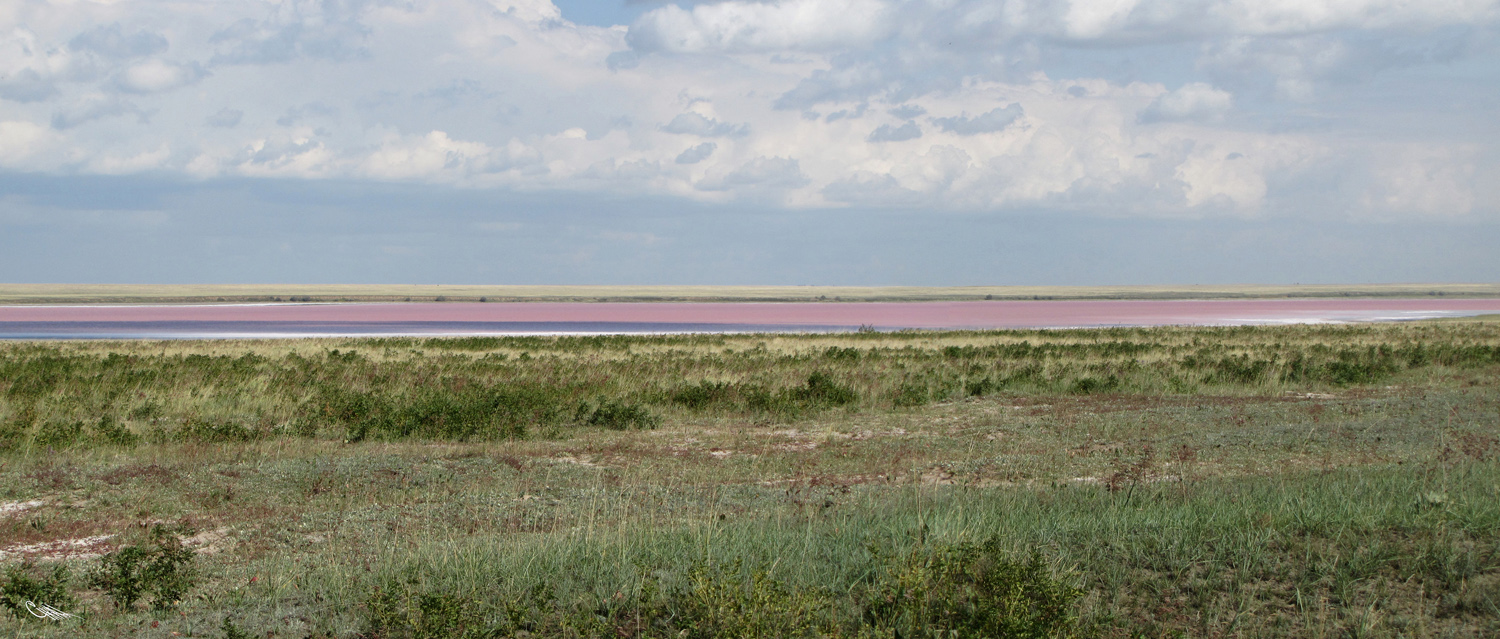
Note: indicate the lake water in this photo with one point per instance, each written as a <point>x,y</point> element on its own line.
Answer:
<point>231,321</point>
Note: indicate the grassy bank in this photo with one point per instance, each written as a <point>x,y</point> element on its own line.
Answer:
<point>1293,481</point>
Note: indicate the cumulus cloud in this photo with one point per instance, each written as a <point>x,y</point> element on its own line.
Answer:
<point>19,141</point>
<point>696,154</point>
<point>29,66</point>
<point>302,112</point>
<point>806,103</point>
<point>111,41</point>
<point>696,124</point>
<point>156,75</point>
<point>989,122</point>
<point>225,118</point>
<point>1192,101</point>
<point>871,189</point>
<point>907,111</point>
<point>887,133</point>
<point>739,26</point>
<point>1423,180</point>
<point>318,29</point>
<point>26,85</point>
<point>95,108</point>
<point>760,174</point>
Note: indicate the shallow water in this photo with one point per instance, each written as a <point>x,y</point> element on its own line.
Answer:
<point>538,318</point>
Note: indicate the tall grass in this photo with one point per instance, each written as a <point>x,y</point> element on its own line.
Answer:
<point>59,395</point>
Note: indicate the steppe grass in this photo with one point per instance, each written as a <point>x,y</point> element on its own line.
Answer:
<point>1293,481</point>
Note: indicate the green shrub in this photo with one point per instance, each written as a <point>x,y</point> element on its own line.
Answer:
<point>911,394</point>
<point>718,601</point>
<point>162,568</point>
<point>1088,385</point>
<point>58,434</point>
<point>619,415</point>
<point>202,430</point>
<point>27,582</point>
<point>836,353</point>
<point>822,390</point>
<point>110,431</point>
<point>705,395</point>
<point>232,631</point>
<point>402,609</point>
<point>969,590</point>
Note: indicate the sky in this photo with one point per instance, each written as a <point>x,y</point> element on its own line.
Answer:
<point>857,142</point>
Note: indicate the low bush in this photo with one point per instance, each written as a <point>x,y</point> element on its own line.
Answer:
<point>618,415</point>
<point>969,590</point>
<point>959,590</point>
<point>161,569</point>
<point>28,582</point>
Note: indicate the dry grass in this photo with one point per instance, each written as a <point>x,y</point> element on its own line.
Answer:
<point>1271,509</point>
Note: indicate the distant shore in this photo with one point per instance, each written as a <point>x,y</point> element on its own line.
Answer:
<point>242,293</point>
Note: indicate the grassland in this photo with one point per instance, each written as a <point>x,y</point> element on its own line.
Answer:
<point>1274,481</point>
<point>194,293</point>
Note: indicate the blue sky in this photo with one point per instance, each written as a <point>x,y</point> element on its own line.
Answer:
<point>779,142</point>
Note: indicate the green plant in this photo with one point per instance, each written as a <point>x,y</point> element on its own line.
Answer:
<point>718,601</point>
<point>403,609</point>
<point>161,568</point>
<point>28,582</point>
<point>620,415</point>
<point>111,432</point>
<point>822,390</point>
<point>970,590</point>
<point>232,631</point>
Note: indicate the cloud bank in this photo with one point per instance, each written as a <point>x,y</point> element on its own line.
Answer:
<point>1358,109</point>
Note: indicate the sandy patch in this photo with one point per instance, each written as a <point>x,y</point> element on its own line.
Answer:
<point>81,548</point>
<point>208,542</point>
<point>792,447</point>
<point>576,461</point>
<point>14,507</point>
<point>937,477</point>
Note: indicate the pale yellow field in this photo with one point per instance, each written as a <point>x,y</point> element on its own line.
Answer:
<point>186,293</point>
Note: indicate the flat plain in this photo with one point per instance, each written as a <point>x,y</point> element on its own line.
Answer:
<point>1312,481</point>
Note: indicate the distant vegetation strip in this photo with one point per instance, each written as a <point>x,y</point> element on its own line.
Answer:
<point>485,388</point>
<point>243,293</point>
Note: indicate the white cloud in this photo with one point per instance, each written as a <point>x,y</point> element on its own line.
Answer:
<point>95,107</point>
<point>739,26</point>
<point>1191,101</point>
<point>696,154</point>
<point>894,133</point>
<point>111,41</point>
<point>1423,180</point>
<point>225,117</point>
<point>155,75</point>
<point>759,174</point>
<point>20,141</point>
<point>29,67</point>
<point>696,124</point>
<point>991,121</point>
<point>803,103</point>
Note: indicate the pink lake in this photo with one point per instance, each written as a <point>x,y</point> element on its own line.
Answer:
<point>305,320</point>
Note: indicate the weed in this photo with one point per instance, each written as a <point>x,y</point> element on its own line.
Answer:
<point>232,631</point>
<point>27,582</point>
<point>822,391</point>
<point>161,568</point>
<point>402,609</point>
<point>618,415</point>
<point>970,590</point>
